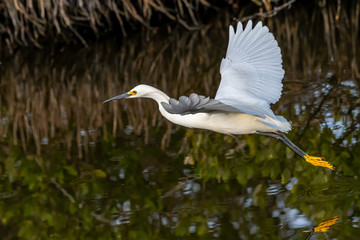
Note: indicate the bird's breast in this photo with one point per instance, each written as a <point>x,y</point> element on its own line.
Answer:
<point>227,123</point>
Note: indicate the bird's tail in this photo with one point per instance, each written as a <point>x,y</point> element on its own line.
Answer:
<point>279,123</point>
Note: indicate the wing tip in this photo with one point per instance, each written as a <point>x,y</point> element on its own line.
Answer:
<point>239,26</point>
<point>249,25</point>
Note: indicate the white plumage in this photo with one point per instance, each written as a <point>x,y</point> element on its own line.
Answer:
<point>251,75</point>
<point>252,67</point>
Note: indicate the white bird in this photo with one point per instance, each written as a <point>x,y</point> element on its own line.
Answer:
<point>251,75</point>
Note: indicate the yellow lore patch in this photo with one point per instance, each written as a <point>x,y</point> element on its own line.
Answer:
<point>132,93</point>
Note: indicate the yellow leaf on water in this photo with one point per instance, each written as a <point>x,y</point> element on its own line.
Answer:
<point>189,160</point>
<point>71,170</point>
<point>98,173</point>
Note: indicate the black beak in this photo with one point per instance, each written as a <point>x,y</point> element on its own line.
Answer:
<point>122,96</point>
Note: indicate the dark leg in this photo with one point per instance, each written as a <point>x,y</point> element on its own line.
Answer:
<point>285,141</point>
<point>317,161</point>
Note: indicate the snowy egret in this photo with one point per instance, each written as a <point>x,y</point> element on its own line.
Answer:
<point>251,75</point>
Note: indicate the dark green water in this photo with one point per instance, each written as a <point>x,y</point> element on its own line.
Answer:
<point>74,168</point>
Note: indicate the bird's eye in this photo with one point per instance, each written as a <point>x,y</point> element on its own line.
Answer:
<point>135,92</point>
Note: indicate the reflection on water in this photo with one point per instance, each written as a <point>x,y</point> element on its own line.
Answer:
<point>323,226</point>
<point>73,167</point>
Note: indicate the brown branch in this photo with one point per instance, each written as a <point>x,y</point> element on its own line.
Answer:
<point>63,190</point>
<point>268,14</point>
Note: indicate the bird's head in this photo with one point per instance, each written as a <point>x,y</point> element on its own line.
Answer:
<point>140,91</point>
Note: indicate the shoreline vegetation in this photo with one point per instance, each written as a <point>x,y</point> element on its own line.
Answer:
<point>38,22</point>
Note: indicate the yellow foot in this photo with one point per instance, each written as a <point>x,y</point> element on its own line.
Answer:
<point>318,161</point>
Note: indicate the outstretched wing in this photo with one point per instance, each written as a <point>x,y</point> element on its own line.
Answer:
<point>252,71</point>
<point>195,104</point>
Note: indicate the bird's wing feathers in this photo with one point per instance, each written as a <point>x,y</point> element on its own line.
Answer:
<point>251,76</point>
<point>195,104</point>
<point>252,70</point>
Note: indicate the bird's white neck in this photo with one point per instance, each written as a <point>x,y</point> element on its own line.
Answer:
<point>158,96</point>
